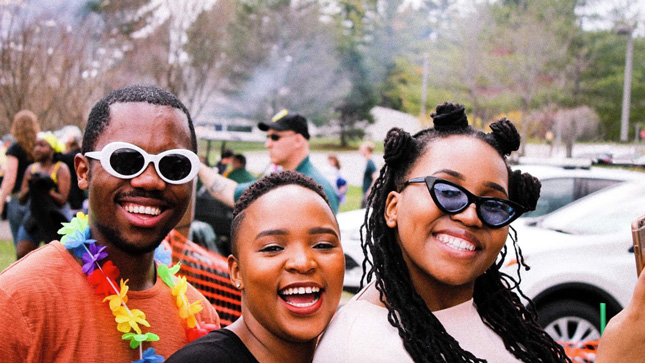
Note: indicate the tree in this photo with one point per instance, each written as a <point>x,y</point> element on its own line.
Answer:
<point>529,45</point>
<point>47,65</point>
<point>574,124</point>
<point>352,35</point>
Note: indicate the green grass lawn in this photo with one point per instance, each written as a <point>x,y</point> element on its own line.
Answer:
<point>353,199</point>
<point>7,254</point>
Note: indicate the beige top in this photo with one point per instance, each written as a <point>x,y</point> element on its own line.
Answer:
<point>360,332</point>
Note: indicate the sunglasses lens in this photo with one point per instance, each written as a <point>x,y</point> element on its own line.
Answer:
<point>175,166</point>
<point>274,137</point>
<point>126,161</point>
<point>496,212</point>
<point>451,199</point>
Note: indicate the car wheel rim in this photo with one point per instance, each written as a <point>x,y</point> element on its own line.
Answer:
<point>572,329</point>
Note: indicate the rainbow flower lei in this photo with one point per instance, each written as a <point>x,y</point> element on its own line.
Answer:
<point>76,237</point>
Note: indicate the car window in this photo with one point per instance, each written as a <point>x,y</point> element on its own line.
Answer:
<point>555,193</point>
<point>608,211</point>
<point>589,185</point>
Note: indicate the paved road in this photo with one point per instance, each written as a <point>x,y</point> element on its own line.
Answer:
<point>5,232</point>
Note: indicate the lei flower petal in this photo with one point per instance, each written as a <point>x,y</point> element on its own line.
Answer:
<point>92,256</point>
<point>76,224</point>
<point>77,240</point>
<point>150,356</point>
<point>104,280</point>
<point>119,299</point>
<point>166,273</point>
<point>200,331</point>
<point>128,320</point>
<point>137,339</point>
<point>163,255</point>
<point>179,290</point>
<point>188,312</point>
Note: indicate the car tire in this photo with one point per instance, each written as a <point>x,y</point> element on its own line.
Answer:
<point>570,321</point>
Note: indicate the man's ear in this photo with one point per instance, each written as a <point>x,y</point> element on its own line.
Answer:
<point>234,272</point>
<point>82,166</point>
<point>392,209</point>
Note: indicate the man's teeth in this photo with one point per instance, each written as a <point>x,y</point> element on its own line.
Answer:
<point>456,243</point>
<point>139,209</point>
<point>300,290</point>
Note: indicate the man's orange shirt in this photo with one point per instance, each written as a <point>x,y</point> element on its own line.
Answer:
<point>50,313</point>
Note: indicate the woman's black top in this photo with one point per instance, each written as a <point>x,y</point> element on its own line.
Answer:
<point>220,345</point>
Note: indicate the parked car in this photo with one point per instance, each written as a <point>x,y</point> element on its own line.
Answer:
<point>561,185</point>
<point>581,256</point>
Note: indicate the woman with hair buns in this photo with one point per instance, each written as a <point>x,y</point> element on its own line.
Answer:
<point>435,242</point>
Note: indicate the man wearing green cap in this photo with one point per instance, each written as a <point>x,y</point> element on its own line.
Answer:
<point>288,146</point>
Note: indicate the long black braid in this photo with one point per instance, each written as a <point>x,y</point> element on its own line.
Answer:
<point>423,336</point>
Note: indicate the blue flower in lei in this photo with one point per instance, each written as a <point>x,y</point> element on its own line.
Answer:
<point>163,255</point>
<point>76,240</point>
<point>149,356</point>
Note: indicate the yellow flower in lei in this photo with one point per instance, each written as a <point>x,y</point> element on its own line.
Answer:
<point>129,319</point>
<point>118,299</point>
<point>179,290</point>
<point>188,312</point>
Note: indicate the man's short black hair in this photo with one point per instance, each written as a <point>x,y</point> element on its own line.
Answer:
<point>240,159</point>
<point>99,117</point>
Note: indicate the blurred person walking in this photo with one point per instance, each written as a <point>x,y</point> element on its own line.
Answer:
<point>371,173</point>
<point>24,128</point>
<point>336,178</point>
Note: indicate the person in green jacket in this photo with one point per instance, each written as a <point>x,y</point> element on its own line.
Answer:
<point>239,173</point>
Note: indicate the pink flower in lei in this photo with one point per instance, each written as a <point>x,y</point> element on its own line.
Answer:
<point>76,237</point>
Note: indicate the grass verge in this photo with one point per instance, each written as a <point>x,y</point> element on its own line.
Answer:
<point>7,254</point>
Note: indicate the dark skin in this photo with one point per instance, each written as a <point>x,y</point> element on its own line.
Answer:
<point>273,254</point>
<point>131,237</point>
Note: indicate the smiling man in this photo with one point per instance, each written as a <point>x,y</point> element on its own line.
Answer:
<point>288,146</point>
<point>138,163</point>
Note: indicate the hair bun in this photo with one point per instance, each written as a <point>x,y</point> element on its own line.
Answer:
<point>449,116</point>
<point>397,144</point>
<point>524,189</point>
<point>506,135</point>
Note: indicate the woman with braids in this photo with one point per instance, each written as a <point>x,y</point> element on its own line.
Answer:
<point>435,241</point>
<point>288,262</point>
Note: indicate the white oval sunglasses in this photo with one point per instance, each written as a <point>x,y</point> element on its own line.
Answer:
<point>126,161</point>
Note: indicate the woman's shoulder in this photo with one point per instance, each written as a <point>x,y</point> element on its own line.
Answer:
<point>358,328</point>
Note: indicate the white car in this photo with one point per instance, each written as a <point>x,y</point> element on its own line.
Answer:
<point>560,186</point>
<point>581,256</point>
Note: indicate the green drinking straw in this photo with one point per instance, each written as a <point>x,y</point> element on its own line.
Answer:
<point>603,317</point>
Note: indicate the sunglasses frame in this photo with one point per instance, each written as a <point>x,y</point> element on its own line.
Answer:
<point>106,153</point>
<point>277,137</point>
<point>430,181</point>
